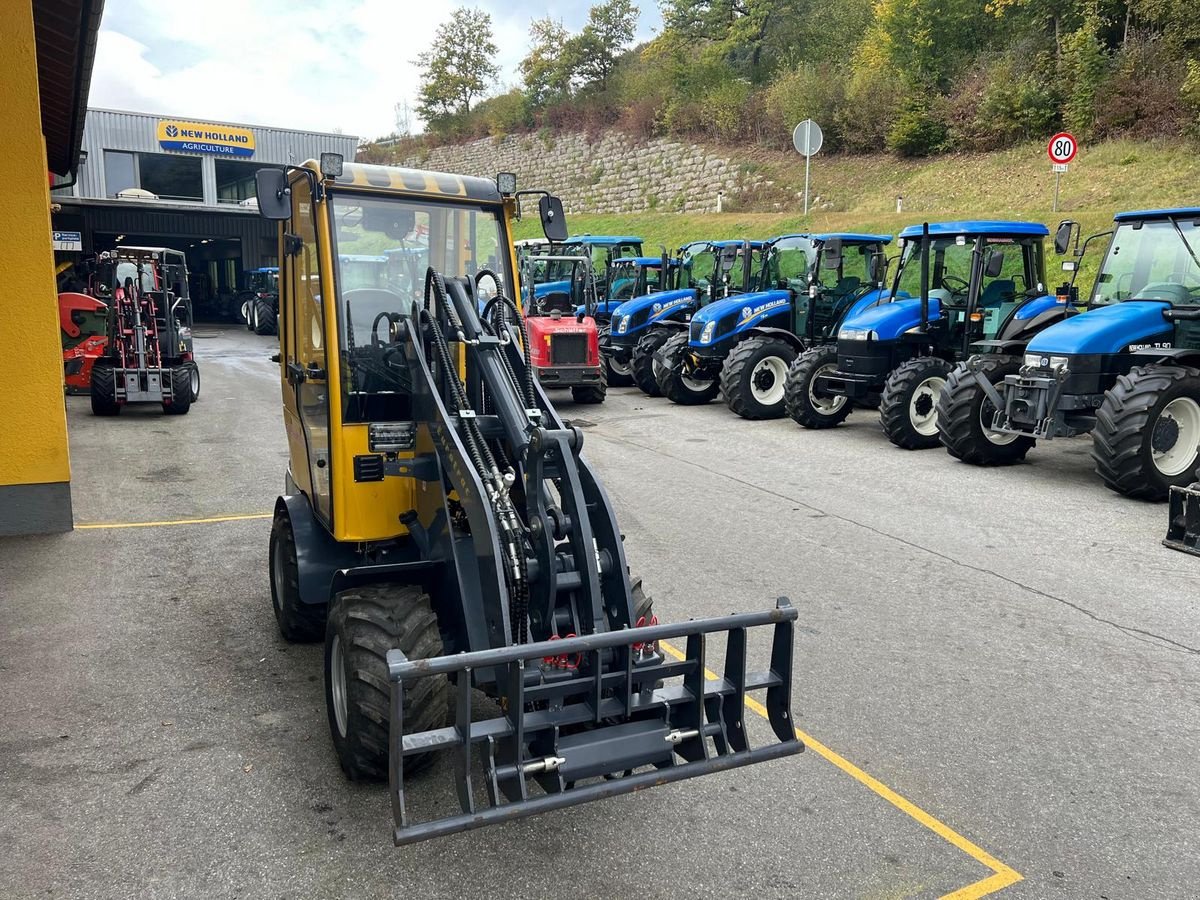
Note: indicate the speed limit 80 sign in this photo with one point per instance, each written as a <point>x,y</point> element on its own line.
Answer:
<point>1062,148</point>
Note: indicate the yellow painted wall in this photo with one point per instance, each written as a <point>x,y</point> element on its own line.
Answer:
<point>33,421</point>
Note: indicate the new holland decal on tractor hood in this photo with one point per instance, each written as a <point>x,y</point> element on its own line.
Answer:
<point>746,311</point>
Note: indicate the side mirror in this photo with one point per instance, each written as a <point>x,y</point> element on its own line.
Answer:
<point>274,195</point>
<point>994,264</point>
<point>831,255</point>
<point>1062,237</point>
<point>554,220</point>
<point>878,273</point>
<point>728,257</point>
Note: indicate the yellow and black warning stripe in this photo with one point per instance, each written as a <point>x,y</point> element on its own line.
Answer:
<point>410,181</point>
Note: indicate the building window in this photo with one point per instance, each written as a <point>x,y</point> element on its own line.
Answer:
<point>171,177</point>
<point>235,180</point>
<point>120,172</point>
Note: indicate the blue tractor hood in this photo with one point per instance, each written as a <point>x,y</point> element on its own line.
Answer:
<point>1108,329</point>
<point>890,320</point>
<point>603,308</point>
<point>749,309</point>
<point>648,301</point>
<point>552,287</point>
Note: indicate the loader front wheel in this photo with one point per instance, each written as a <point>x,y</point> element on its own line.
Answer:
<point>181,391</point>
<point>103,389</point>
<point>298,622</point>
<point>364,624</point>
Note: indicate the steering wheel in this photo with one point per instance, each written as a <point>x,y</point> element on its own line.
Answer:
<point>949,281</point>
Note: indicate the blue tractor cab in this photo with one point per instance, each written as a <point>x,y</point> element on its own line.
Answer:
<point>1128,370</point>
<point>957,283</point>
<point>743,346</point>
<point>705,271</point>
<point>604,249</point>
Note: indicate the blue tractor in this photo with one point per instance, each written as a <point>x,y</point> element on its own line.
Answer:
<point>743,346</point>
<point>957,283</point>
<point>1128,370</point>
<point>705,271</point>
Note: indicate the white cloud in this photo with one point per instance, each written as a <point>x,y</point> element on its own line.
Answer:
<point>319,64</point>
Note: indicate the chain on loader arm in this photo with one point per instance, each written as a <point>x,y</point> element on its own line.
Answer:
<point>538,601</point>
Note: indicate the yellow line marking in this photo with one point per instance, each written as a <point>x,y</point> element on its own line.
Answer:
<point>1003,875</point>
<point>96,525</point>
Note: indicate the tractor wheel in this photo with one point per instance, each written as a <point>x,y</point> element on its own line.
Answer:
<point>241,312</point>
<point>299,623</point>
<point>181,391</point>
<point>264,317</point>
<point>193,379</point>
<point>754,376</point>
<point>645,370</point>
<point>676,385</point>
<point>800,397</point>
<point>1147,434</point>
<point>965,414</point>
<point>103,388</point>
<point>364,624</point>
<point>617,374</point>
<point>591,393</point>
<point>908,407</point>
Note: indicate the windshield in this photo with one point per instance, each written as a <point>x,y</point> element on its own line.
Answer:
<point>790,260</point>
<point>129,271</point>
<point>382,249</point>
<point>1151,259</point>
<point>950,269</point>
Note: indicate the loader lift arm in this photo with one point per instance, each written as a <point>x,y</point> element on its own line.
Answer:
<point>535,575</point>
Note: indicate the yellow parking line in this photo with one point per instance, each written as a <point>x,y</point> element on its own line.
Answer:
<point>1002,875</point>
<point>95,525</point>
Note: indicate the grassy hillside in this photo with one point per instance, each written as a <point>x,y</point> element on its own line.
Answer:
<point>859,193</point>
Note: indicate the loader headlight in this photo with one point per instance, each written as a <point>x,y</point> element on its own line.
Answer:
<point>858,334</point>
<point>1045,361</point>
<point>706,335</point>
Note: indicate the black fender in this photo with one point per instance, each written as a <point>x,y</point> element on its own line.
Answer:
<point>780,333</point>
<point>1023,329</point>
<point>1166,356</point>
<point>999,347</point>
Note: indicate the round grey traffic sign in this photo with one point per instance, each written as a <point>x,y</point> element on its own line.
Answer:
<point>807,138</point>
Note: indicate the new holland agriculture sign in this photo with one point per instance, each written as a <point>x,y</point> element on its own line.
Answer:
<point>196,137</point>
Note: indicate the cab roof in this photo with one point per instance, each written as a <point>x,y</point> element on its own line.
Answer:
<point>603,240</point>
<point>851,237</point>
<point>733,242</point>
<point>1137,215</point>
<point>415,181</point>
<point>979,226</point>
<point>650,262</point>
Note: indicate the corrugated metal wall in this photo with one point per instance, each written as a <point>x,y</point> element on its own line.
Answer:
<point>114,130</point>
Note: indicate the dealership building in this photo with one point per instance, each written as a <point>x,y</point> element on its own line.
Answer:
<point>184,183</point>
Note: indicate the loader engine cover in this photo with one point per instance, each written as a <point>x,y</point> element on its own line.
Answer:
<point>563,349</point>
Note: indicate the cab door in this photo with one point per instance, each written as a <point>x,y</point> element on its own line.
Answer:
<point>303,352</point>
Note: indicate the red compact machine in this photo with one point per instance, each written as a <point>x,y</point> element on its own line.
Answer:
<point>560,313</point>
<point>82,320</point>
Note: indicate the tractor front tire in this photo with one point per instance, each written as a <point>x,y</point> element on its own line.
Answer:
<point>181,391</point>
<point>645,372</point>
<point>103,388</point>
<point>908,407</point>
<point>1147,434</point>
<point>364,624</point>
<point>675,384</point>
<point>965,414</point>
<point>299,623</point>
<point>591,393</point>
<point>617,374</point>
<point>800,397</point>
<point>265,320</point>
<point>754,376</point>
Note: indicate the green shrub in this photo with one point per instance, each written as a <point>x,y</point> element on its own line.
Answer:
<point>916,131</point>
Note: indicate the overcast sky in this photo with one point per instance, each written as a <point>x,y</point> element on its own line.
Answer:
<point>306,64</point>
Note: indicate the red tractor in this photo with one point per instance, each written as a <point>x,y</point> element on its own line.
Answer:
<point>563,336</point>
<point>81,319</point>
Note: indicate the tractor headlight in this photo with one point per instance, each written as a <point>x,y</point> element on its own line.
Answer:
<point>858,334</point>
<point>623,325</point>
<point>706,335</point>
<point>1040,361</point>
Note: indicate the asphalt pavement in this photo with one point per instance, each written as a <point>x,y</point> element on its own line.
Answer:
<point>997,672</point>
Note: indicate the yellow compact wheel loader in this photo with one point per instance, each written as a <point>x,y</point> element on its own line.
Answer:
<point>443,534</point>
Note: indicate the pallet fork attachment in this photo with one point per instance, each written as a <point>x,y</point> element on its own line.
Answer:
<point>1183,527</point>
<point>579,729</point>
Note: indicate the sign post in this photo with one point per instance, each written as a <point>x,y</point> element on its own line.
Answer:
<point>807,138</point>
<point>1061,150</point>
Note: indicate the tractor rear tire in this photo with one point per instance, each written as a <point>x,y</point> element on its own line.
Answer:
<point>675,385</point>
<point>908,407</point>
<point>181,391</point>
<point>364,624</point>
<point>103,389</point>
<point>802,404</point>
<point>265,320</point>
<point>591,393</point>
<point>754,376</point>
<point>1147,434</point>
<point>964,417</point>
<point>299,623</point>
<point>241,312</point>
<point>645,372</point>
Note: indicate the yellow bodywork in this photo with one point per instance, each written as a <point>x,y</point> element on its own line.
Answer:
<point>361,511</point>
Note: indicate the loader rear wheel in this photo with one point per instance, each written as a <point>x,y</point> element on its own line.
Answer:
<point>264,317</point>
<point>965,415</point>
<point>591,393</point>
<point>908,408</point>
<point>181,392</point>
<point>298,622</point>
<point>103,389</point>
<point>676,384</point>
<point>193,379</point>
<point>1147,434</point>
<point>364,624</point>
<point>754,376</point>
<point>807,407</point>
<point>645,369</point>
